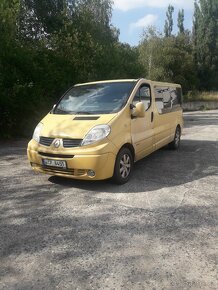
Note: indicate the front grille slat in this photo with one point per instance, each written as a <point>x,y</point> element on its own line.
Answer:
<point>55,155</point>
<point>51,169</point>
<point>46,141</point>
<point>67,143</point>
<point>55,169</point>
<point>73,172</point>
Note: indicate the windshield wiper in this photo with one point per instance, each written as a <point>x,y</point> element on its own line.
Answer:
<point>60,111</point>
<point>83,113</point>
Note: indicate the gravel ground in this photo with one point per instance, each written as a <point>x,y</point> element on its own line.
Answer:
<point>159,231</point>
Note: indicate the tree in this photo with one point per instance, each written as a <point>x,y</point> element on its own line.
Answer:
<point>205,36</point>
<point>8,69</point>
<point>87,39</point>
<point>47,46</point>
<point>168,28</point>
<point>124,62</point>
<point>181,21</point>
<point>149,50</point>
<point>168,59</point>
<point>39,18</point>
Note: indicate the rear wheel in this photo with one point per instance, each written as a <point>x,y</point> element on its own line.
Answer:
<point>174,145</point>
<point>123,166</point>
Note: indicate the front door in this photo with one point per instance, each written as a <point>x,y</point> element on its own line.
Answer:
<point>142,128</point>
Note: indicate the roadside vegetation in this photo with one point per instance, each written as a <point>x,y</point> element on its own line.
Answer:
<point>201,96</point>
<point>47,46</point>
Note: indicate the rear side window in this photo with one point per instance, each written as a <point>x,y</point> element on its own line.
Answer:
<point>167,99</point>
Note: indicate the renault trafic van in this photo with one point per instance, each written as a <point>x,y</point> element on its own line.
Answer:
<point>98,130</point>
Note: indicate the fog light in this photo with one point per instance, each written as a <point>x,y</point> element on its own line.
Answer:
<point>91,173</point>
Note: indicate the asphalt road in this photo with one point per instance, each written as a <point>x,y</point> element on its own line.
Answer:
<point>159,231</point>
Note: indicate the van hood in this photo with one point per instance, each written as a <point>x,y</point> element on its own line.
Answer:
<point>72,126</point>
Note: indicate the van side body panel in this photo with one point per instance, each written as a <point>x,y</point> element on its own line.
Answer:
<point>120,129</point>
<point>165,124</point>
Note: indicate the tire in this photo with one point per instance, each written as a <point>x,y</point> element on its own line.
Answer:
<point>174,145</point>
<point>123,166</point>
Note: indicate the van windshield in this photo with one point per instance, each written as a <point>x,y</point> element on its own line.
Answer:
<point>101,98</point>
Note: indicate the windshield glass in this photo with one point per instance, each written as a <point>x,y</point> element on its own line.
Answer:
<point>101,98</point>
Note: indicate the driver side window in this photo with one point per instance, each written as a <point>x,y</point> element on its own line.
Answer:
<point>143,95</point>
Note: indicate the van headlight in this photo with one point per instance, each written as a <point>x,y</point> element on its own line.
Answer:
<point>37,132</point>
<point>97,133</point>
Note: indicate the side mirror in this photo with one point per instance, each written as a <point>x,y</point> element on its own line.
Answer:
<point>139,110</point>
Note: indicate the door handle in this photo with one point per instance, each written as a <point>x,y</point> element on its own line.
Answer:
<point>152,117</point>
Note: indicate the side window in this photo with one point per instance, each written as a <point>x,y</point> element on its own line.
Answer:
<point>167,99</point>
<point>159,99</point>
<point>143,95</point>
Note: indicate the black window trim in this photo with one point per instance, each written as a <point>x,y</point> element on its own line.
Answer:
<point>149,86</point>
<point>172,109</point>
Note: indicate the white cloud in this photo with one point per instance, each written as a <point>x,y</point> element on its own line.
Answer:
<point>149,19</point>
<point>126,5</point>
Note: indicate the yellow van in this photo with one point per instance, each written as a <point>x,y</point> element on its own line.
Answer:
<point>98,130</point>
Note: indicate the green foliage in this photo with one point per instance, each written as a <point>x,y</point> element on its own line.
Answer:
<point>195,95</point>
<point>47,46</point>
<point>39,19</point>
<point>168,27</point>
<point>206,42</point>
<point>168,58</point>
<point>125,62</point>
<point>189,59</point>
<point>180,20</point>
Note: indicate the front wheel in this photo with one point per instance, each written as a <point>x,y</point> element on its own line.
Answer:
<point>123,166</point>
<point>176,141</point>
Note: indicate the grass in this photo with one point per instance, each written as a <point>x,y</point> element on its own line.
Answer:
<point>201,96</point>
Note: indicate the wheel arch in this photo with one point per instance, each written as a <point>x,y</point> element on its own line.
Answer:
<point>180,127</point>
<point>130,147</point>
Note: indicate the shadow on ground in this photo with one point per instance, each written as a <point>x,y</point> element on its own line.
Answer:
<point>165,168</point>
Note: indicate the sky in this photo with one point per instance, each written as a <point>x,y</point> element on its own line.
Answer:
<point>132,16</point>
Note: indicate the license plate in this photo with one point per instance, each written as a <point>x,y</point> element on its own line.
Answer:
<point>55,163</point>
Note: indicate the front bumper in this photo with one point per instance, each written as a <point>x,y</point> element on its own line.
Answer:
<point>77,166</point>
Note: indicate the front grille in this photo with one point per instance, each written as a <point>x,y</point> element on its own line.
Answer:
<point>46,141</point>
<point>55,155</point>
<point>79,172</point>
<point>74,172</point>
<point>68,171</point>
<point>69,143</point>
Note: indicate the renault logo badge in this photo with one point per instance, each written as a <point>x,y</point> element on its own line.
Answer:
<point>57,143</point>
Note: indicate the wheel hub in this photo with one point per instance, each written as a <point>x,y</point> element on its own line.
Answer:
<point>125,166</point>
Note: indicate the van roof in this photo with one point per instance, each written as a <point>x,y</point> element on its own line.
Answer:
<point>154,83</point>
<point>107,81</point>
<point>165,84</point>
